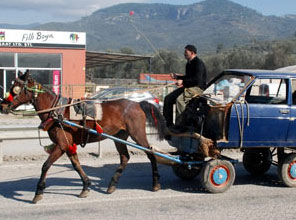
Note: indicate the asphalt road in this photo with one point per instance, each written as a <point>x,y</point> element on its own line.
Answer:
<point>249,198</point>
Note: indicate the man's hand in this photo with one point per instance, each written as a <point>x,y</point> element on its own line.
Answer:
<point>173,75</point>
<point>179,83</point>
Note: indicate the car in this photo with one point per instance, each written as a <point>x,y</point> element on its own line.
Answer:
<point>133,94</point>
<point>255,104</point>
<point>253,111</point>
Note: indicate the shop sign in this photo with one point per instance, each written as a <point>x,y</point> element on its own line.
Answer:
<point>32,38</point>
<point>56,82</point>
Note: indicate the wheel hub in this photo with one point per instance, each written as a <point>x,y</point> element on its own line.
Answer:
<point>292,170</point>
<point>219,176</point>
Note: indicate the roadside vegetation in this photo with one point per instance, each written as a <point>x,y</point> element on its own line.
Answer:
<point>258,55</point>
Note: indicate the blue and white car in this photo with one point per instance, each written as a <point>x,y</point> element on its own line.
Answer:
<point>255,111</point>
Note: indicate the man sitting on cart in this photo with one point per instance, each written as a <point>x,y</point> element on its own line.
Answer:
<point>189,85</point>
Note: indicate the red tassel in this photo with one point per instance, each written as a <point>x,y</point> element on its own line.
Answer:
<point>99,128</point>
<point>153,116</point>
<point>72,149</point>
<point>9,97</point>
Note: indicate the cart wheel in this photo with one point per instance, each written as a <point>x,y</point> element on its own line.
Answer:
<point>287,170</point>
<point>184,173</point>
<point>257,161</point>
<point>217,176</point>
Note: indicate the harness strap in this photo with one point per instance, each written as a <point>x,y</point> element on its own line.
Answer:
<point>242,121</point>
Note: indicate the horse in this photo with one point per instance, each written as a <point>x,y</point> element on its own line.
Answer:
<point>121,118</point>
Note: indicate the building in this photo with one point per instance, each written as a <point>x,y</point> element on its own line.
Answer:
<point>53,58</point>
<point>56,59</point>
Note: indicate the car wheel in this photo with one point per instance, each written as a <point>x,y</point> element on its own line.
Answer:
<point>257,161</point>
<point>217,176</point>
<point>287,170</point>
<point>184,173</point>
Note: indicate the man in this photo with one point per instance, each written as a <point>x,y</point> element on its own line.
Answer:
<point>189,85</point>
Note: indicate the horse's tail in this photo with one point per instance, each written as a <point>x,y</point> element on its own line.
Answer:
<point>154,118</point>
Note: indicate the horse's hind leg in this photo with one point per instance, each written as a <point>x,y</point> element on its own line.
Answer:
<point>138,134</point>
<point>124,158</point>
<point>86,182</point>
<point>56,154</point>
<point>155,175</point>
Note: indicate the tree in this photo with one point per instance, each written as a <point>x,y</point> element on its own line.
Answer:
<point>220,47</point>
<point>172,63</point>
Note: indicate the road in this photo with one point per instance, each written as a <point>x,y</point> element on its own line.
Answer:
<point>249,198</point>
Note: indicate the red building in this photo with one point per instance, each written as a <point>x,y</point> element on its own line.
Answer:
<point>54,58</point>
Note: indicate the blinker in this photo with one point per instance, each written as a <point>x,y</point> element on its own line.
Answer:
<point>16,90</point>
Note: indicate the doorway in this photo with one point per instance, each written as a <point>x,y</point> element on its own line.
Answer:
<point>6,78</point>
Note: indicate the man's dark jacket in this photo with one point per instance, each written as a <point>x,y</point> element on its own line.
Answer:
<point>196,74</point>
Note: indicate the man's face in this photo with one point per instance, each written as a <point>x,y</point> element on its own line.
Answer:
<point>188,54</point>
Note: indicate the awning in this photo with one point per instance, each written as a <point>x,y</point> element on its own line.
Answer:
<point>95,59</point>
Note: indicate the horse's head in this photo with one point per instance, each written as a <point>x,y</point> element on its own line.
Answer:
<point>21,91</point>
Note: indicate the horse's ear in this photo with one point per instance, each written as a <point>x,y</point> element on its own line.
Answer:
<point>19,74</point>
<point>26,75</point>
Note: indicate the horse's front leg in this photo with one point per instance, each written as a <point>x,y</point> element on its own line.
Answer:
<point>56,154</point>
<point>86,182</point>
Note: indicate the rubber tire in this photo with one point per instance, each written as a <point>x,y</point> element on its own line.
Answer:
<point>283,170</point>
<point>257,161</point>
<point>184,173</point>
<point>206,178</point>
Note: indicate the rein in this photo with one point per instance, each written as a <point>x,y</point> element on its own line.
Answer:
<point>55,108</point>
<point>84,100</point>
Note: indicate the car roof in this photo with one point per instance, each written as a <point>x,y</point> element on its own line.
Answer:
<point>121,88</point>
<point>263,73</point>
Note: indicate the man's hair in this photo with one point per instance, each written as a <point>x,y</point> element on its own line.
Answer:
<point>191,48</point>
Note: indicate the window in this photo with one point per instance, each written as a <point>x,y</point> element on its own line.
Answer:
<point>41,60</point>
<point>45,77</point>
<point>225,88</point>
<point>294,91</point>
<point>6,60</point>
<point>268,91</point>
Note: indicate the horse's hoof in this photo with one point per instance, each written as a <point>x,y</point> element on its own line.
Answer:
<point>156,187</point>
<point>111,189</point>
<point>37,198</point>
<point>84,194</point>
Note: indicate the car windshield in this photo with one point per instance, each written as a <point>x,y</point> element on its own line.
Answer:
<point>226,87</point>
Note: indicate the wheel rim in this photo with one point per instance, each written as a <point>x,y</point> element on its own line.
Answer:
<point>220,176</point>
<point>292,170</point>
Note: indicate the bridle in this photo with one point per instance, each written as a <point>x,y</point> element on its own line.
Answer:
<point>36,89</point>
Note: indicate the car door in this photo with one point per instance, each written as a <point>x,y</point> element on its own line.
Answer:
<point>291,138</point>
<point>263,118</point>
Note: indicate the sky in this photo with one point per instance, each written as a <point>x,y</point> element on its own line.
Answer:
<point>39,11</point>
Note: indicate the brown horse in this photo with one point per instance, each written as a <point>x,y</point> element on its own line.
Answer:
<point>121,118</point>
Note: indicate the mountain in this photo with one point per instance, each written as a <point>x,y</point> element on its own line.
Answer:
<point>206,24</point>
<point>15,26</point>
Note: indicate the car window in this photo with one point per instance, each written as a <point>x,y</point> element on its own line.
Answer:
<point>225,88</point>
<point>268,91</point>
<point>139,95</point>
<point>294,91</point>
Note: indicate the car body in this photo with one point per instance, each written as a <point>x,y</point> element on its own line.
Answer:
<point>250,108</point>
<point>133,94</point>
